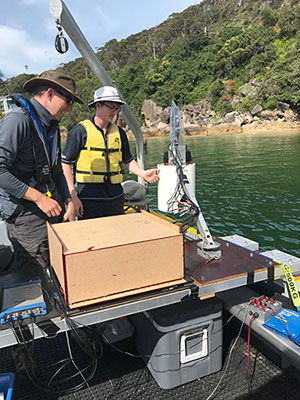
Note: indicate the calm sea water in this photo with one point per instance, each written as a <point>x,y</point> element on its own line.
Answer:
<point>247,185</point>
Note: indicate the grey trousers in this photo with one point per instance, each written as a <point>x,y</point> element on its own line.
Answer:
<point>28,235</point>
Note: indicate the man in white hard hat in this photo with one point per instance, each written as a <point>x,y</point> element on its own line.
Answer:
<point>96,148</point>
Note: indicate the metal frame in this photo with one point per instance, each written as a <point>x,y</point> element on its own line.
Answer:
<point>64,18</point>
<point>106,313</point>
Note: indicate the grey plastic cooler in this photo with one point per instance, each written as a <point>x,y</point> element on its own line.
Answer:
<point>181,342</point>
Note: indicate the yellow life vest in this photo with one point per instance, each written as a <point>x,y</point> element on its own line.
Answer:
<point>98,161</point>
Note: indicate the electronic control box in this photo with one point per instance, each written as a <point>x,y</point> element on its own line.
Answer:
<point>264,308</point>
<point>22,300</point>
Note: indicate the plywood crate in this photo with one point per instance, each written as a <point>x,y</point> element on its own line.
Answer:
<point>100,259</point>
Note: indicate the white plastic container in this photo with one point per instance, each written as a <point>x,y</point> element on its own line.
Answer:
<point>168,181</point>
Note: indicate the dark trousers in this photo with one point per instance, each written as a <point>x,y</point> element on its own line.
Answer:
<point>28,235</point>
<point>98,208</point>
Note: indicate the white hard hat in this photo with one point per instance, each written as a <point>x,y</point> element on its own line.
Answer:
<point>106,93</point>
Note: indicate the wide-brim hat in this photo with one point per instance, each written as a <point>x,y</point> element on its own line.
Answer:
<point>106,93</point>
<point>54,79</point>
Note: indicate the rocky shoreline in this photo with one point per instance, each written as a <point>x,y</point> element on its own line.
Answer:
<point>199,120</point>
<point>224,129</point>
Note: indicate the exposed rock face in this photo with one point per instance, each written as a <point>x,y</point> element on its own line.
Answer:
<point>200,119</point>
<point>224,128</point>
<point>256,110</point>
<point>233,118</point>
<point>248,118</point>
<point>271,115</point>
<point>162,126</point>
<point>197,114</point>
<point>245,90</point>
<point>290,116</point>
<point>121,122</point>
<point>151,113</point>
<point>166,115</point>
<point>283,106</point>
<point>249,91</point>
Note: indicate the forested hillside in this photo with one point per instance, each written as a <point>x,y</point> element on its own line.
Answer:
<point>234,53</point>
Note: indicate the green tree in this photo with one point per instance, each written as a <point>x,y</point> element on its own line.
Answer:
<point>268,17</point>
<point>15,85</point>
<point>1,79</point>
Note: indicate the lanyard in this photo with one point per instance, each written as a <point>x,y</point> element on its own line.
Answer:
<point>40,131</point>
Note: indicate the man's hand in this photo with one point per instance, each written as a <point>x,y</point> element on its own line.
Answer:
<point>49,206</point>
<point>69,215</point>
<point>77,204</point>
<point>151,175</point>
<point>69,178</point>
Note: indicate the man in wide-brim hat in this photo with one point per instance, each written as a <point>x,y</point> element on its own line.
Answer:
<point>33,188</point>
<point>55,80</point>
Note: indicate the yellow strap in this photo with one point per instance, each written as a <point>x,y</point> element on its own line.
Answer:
<point>291,285</point>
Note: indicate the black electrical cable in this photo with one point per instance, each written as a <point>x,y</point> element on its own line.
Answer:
<point>22,345</point>
<point>75,326</point>
<point>65,391</point>
<point>92,352</point>
<point>177,352</point>
<point>72,389</point>
<point>33,378</point>
<point>180,202</point>
<point>212,395</point>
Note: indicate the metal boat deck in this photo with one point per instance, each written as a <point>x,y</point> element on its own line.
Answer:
<point>122,377</point>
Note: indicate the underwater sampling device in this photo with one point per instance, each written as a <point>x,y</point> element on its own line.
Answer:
<point>176,188</point>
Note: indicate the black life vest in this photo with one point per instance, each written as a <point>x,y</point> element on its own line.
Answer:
<point>46,165</point>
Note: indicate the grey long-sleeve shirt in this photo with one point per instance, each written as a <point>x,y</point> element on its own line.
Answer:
<point>17,163</point>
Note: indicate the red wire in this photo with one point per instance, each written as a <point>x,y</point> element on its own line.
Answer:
<point>287,327</point>
<point>249,328</point>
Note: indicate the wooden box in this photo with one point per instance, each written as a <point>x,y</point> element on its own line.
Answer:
<point>101,259</point>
